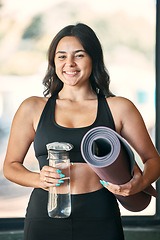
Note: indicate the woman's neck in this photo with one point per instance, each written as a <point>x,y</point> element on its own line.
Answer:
<point>77,94</point>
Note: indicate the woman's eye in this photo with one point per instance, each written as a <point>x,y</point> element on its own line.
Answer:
<point>79,56</point>
<point>62,57</point>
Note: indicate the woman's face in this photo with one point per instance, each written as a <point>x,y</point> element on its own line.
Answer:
<point>73,65</point>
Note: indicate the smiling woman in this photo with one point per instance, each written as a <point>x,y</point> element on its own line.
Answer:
<point>77,99</point>
<point>72,63</point>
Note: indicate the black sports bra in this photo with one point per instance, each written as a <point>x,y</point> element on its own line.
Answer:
<point>49,131</point>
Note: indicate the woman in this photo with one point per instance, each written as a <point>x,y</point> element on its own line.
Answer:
<point>77,86</point>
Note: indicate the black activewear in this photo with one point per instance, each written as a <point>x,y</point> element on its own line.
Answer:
<point>94,215</point>
<point>49,131</point>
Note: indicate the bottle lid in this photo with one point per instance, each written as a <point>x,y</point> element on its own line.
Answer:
<point>59,146</point>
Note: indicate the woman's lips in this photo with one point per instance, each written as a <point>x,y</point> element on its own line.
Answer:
<point>71,73</point>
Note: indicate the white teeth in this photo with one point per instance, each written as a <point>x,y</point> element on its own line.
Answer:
<point>70,73</point>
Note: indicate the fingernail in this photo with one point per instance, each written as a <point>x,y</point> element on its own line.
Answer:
<point>58,184</point>
<point>106,183</point>
<point>72,163</point>
<point>102,182</point>
<point>59,171</point>
<point>62,175</point>
<point>61,181</point>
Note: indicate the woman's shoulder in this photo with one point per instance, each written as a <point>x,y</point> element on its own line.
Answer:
<point>33,102</point>
<point>123,110</point>
<point>117,99</point>
<point>32,106</point>
<point>120,103</point>
<point>30,110</point>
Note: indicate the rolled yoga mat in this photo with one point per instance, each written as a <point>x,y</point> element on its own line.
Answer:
<point>112,159</point>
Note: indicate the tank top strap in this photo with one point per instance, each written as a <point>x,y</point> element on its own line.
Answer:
<point>47,106</point>
<point>54,96</point>
<point>46,114</point>
<point>104,112</point>
<point>51,101</point>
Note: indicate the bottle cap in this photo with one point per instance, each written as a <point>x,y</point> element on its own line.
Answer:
<point>59,146</point>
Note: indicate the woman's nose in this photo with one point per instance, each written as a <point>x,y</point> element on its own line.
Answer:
<point>70,61</point>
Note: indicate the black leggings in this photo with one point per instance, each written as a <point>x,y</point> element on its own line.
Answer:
<point>95,216</point>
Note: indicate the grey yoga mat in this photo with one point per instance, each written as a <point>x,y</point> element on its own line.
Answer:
<point>110,156</point>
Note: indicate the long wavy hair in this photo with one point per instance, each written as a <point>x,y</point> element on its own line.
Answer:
<point>99,78</point>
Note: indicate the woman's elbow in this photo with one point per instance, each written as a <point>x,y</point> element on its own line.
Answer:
<point>7,170</point>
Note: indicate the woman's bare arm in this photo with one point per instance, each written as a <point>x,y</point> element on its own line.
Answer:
<point>131,126</point>
<point>21,136</point>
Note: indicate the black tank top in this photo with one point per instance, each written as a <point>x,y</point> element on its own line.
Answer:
<point>49,131</point>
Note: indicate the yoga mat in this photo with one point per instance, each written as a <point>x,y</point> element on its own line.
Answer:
<point>112,159</point>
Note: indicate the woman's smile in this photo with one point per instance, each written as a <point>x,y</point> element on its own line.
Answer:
<point>69,73</point>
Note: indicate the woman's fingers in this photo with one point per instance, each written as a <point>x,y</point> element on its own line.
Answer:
<point>123,190</point>
<point>116,189</point>
<point>129,188</point>
<point>51,173</point>
<point>50,177</point>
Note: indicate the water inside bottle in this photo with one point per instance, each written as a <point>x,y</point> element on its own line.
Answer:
<point>62,200</point>
<point>59,202</point>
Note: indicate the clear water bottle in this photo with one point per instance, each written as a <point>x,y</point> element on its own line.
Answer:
<point>59,199</point>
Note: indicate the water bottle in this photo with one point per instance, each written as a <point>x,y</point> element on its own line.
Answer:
<point>59,199</point>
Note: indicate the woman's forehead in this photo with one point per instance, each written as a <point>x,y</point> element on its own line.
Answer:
<point>69,43</point>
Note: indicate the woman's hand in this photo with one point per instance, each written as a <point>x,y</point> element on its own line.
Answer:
<point>135,185</point>
<point>50,177</point>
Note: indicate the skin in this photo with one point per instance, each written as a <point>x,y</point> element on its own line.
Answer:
<point>76,107</point>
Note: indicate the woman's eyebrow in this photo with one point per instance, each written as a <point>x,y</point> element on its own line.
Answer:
<point>76,51</point>
<point>60,52</point>
<point>80,50</point>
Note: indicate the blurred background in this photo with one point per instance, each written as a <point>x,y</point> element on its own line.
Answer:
<point>126,29</point>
